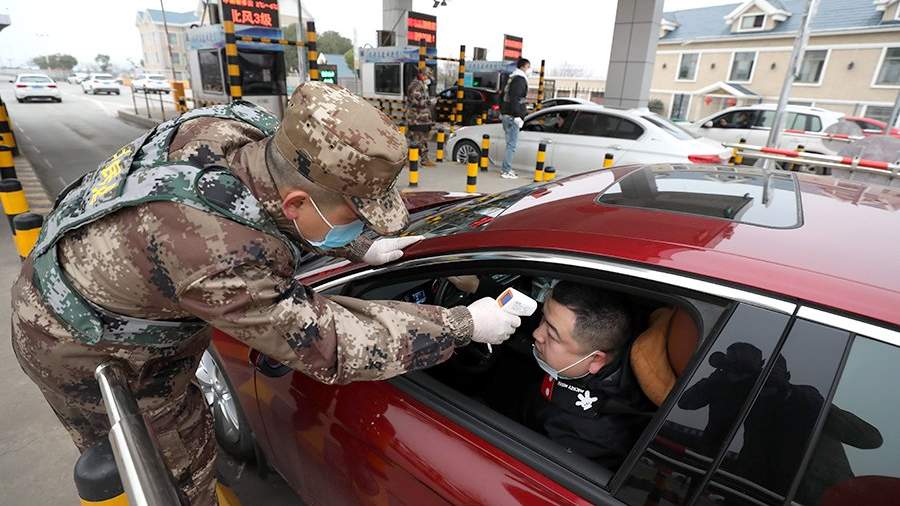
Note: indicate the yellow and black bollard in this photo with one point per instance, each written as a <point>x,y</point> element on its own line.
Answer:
<point>478,120</point>
<point>439,156</point>
<point>178,96</point>
<point>421,65</point>
<point>97,477</point>
<point>794,167</point>
<point>472,174</point>
<point>485,149</point>
<point>231,58</point>
<point>539,163</point>
<point>7,138</point>
<point>737,154</point>
<point>27,228</point>
<point>413,166</point>
<point>402,129</point>
<point>607,160</point>
<point>7,164</point>
<point>549,174</point>
<point>312,54</point>
<point>540,90</point>
<point>12,197</point>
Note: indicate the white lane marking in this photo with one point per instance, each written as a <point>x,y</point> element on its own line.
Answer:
<point>35,148</point>
<point>23,135</point>
<point>50,165</point>
<point>63,181</point>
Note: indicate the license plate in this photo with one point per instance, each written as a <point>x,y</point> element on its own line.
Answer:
<point>38,86</point>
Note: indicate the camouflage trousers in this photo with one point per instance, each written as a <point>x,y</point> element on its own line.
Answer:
<point>419,135</point>
<point>160,378</point>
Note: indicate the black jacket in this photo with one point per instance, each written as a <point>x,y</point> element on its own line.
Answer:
<point>599,416</point>
<point>513,100</point>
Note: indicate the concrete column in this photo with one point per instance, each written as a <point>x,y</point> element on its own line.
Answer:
<point>393,18</point>
<point>633,52</point>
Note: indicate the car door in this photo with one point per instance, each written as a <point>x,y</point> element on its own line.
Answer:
<point>731,126</point>
<point>592,136</point>
<point>550,127</point>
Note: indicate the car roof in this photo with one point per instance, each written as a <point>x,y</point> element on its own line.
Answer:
<point>32,75</point>
<point>631,113</point>
<point>842,253</point>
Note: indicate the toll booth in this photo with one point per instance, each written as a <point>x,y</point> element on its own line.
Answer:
<point>385,73</point>
<point>263,73</point>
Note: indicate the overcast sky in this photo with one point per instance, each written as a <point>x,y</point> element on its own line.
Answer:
<point>574,32</point>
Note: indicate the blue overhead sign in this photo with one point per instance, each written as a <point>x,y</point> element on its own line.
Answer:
<point>213,37</point>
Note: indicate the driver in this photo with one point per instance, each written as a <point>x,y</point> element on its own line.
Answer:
<point>589,401</point>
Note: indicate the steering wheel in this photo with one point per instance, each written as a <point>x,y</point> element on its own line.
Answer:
<point>474,358</point>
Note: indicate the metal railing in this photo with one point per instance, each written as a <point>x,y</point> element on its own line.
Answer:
<point>144,475</point>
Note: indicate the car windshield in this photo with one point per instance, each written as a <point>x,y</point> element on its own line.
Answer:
<point>671,128</point>
<point>103,77</point>
<point>156,78</point>
<point>467,216</point>
<point>35,79</point>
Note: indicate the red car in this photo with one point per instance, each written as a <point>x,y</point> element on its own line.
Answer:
<point>872,126</point>
<point>780,292</point>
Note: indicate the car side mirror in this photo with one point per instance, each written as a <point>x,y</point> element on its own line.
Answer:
<point>708,124</point>
<point>12,80</point>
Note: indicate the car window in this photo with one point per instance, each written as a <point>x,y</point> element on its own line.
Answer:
<point>605,125</point>
<point>866,126</point>
<point>813,123</point>
<point>35,79</point>
<point>742,118</point>
<point>670,128</point>
<point>103,76</point>
<point>857,455</point>
<point>552,122</point>
<point>550,103</point>
<point>765,454</point>
<point>707,410</point>
<point>450,93</point>
<point>472,95</point>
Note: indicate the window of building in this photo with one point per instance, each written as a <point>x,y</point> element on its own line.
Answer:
<point>742,66</point>
<point>858,449</point>
<point>752,22</point>
<point>879,112</point>
<point>176,59</point>
<point>211,78</point>
<point>687,68</point>
<point>173,39</point>
<point>813,66</point>
<point>889,70</point>
<point>387,78</point>
<point>680,104</point>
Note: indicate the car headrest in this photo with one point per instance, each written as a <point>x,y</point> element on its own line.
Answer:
<point>660,354</point>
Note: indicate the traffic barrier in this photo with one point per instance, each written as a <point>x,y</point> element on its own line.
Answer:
<point>607,160</point>
<point>472,174</point>
<point>823,135</point>
<point>539,163</point>
<point>413,166</point>
<point>97,478</point>
<point>7,164</point>
<point>312,54</point>
<point>439,156</point>
<point>178,96</point>
<point>805,158</point>
<point>457,118</point>
<point>12,197</point>
<point>549,173</point>
<point>231,58</point>
<point>7,138</point>
<point>27,227</point>
<point>485,149</point>
<point>540,92</point>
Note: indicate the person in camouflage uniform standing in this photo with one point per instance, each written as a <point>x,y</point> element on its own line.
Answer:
<point>419,120</point>
<point>201,222</point>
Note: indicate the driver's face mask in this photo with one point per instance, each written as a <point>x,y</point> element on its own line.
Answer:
<point>338,236</point>
<point>557,375</point>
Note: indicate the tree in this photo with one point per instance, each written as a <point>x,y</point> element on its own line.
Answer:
<point>656,105</point>
<point>290,53</point>
<point>331,42</point>
<point>568,70</point>
<point>348,57</point>
<point>55,61</point>
<point>103,61</point>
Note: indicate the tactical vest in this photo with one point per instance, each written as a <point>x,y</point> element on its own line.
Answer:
<point>136,174</point>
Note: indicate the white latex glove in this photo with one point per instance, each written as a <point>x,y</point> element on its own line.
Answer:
<point>519,122</point>
<point>493,325</point>
<point>386,250</point>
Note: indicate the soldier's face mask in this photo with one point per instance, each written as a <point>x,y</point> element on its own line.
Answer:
<point>338,236</point>
<point>553,373</point>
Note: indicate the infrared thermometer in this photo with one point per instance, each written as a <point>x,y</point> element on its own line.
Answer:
<point>517,303</point>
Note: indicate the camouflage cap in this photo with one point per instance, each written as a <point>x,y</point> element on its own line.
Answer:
<point>341,142</point>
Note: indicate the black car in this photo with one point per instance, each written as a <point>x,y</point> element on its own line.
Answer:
<point>476,101</point>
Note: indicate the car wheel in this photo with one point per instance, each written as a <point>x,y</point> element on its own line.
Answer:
<point>117,93</point>
<point>21,100</point>
<point>231,427</point>
<point>58,100</point>
<point>463,149</point>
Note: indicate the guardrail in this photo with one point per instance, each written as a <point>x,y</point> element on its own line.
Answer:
<point>146,479</point>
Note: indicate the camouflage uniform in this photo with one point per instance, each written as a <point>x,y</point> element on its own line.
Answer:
<point>418,116</point>
<point>158,263</point>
